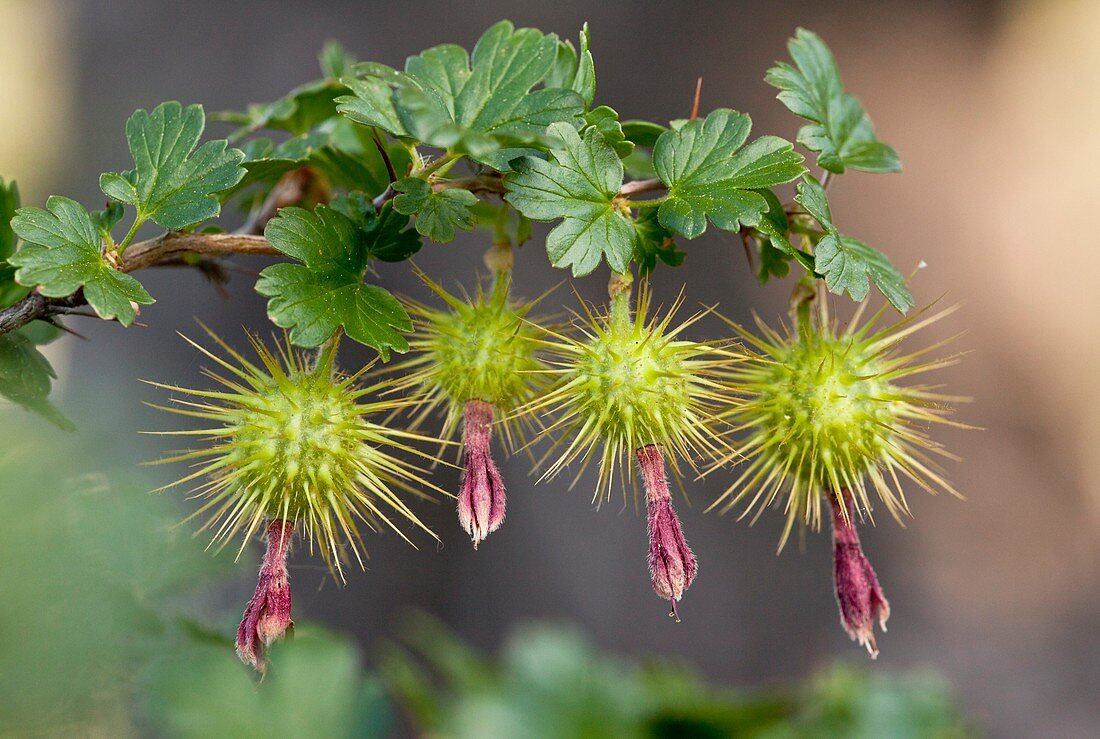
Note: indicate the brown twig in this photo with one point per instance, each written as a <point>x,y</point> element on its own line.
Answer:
<point>141,255</point>
<point>293,187</point>
<point>173,244</point>
<point>640,186</point>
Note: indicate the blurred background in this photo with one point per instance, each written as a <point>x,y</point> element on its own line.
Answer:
<point>992,107</point>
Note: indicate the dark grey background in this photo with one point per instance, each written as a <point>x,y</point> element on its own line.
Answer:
<point>998,595</point>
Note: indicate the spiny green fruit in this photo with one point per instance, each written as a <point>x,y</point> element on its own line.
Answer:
<point>624,382</point>
<point>827,416</point>
<point>479,348</point>
<point>293,440</point>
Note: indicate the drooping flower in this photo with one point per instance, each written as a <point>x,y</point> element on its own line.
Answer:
<point>858,594</point>
<point>829,418</point>
<point>629,387</point>
<point>672,565</point>
<point>477,359</point>
<point>481,499</point>
<point>267,616</point>
<point>293,446</point>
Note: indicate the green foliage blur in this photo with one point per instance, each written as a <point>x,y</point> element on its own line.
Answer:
<point>551,682</point>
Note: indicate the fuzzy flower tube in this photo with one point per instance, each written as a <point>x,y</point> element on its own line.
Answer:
<point>481,498</point>
<point>477,360</point>
<point>672,564</point>
<point>858,593</point>
<point>267,616</point>
<point>629,388</point>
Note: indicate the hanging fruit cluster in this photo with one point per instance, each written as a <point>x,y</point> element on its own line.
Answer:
<point>821,418</point>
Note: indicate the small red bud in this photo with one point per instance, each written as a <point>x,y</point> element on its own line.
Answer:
<point>857,590</point>
<point>481,498</point>
<point>671,563</point>
<point>267,616</point>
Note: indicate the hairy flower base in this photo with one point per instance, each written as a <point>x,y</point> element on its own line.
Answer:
<point>672,564</point>
<point>825,413</point>
<point>267,616</point>
<point>481,499</point>
<point>480,348</point>
<point>625,383</point>
<point>858,593</point>
<point>293,442</point>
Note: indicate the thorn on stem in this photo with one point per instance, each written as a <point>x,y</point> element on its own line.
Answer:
<point>695,105</point>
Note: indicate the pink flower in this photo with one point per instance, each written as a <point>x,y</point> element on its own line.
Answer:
<point>857,590</point>
<point>481,498</point>
<point>672,566</point>
<point>267,616</point>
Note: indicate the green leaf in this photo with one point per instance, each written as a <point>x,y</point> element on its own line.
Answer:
<point>26,377</point>
<point>772,230</point>
<point>606,121</point>
<point>298,112</point>
<point>105,220</point>
<point>840,130</point>
<point>371,103</point>
<point>643,133</point>
<point>9,203</point>
<point>172,182</point>
<point>326,291</point>
<point>62,255</point>
<point>384,232</point>
<point>473,105</point>
<point>773,263</point>
<point>847,263</point>
<point>438,214</point>
<point>574,71</point>
<point>564,69</point>
<point>710,176</point>
<point>578,186</point>
<point>655,242</point>
<point>345,154</point>
<point>584,80</point>
<point>10,290</point>
<point>335,60</point>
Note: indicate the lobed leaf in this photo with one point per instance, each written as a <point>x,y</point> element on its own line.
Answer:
<point>61,255</point>
<point>849,265</point>
<point>172,182</point>
<point>481,105</point>
<point>326,290</point>
<point>26,377</point>
<point>438,214</point>
<point>711,176</point>
<point>579,186</point>
<point>655,242</point>
<point>10,290</point>
<point>839,129</point>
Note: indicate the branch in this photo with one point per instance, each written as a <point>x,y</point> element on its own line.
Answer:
<point>292,188</point>
<point>640,186</point>
<point>490,183</point>
<point>167,247</point>
<point>172,244</point>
